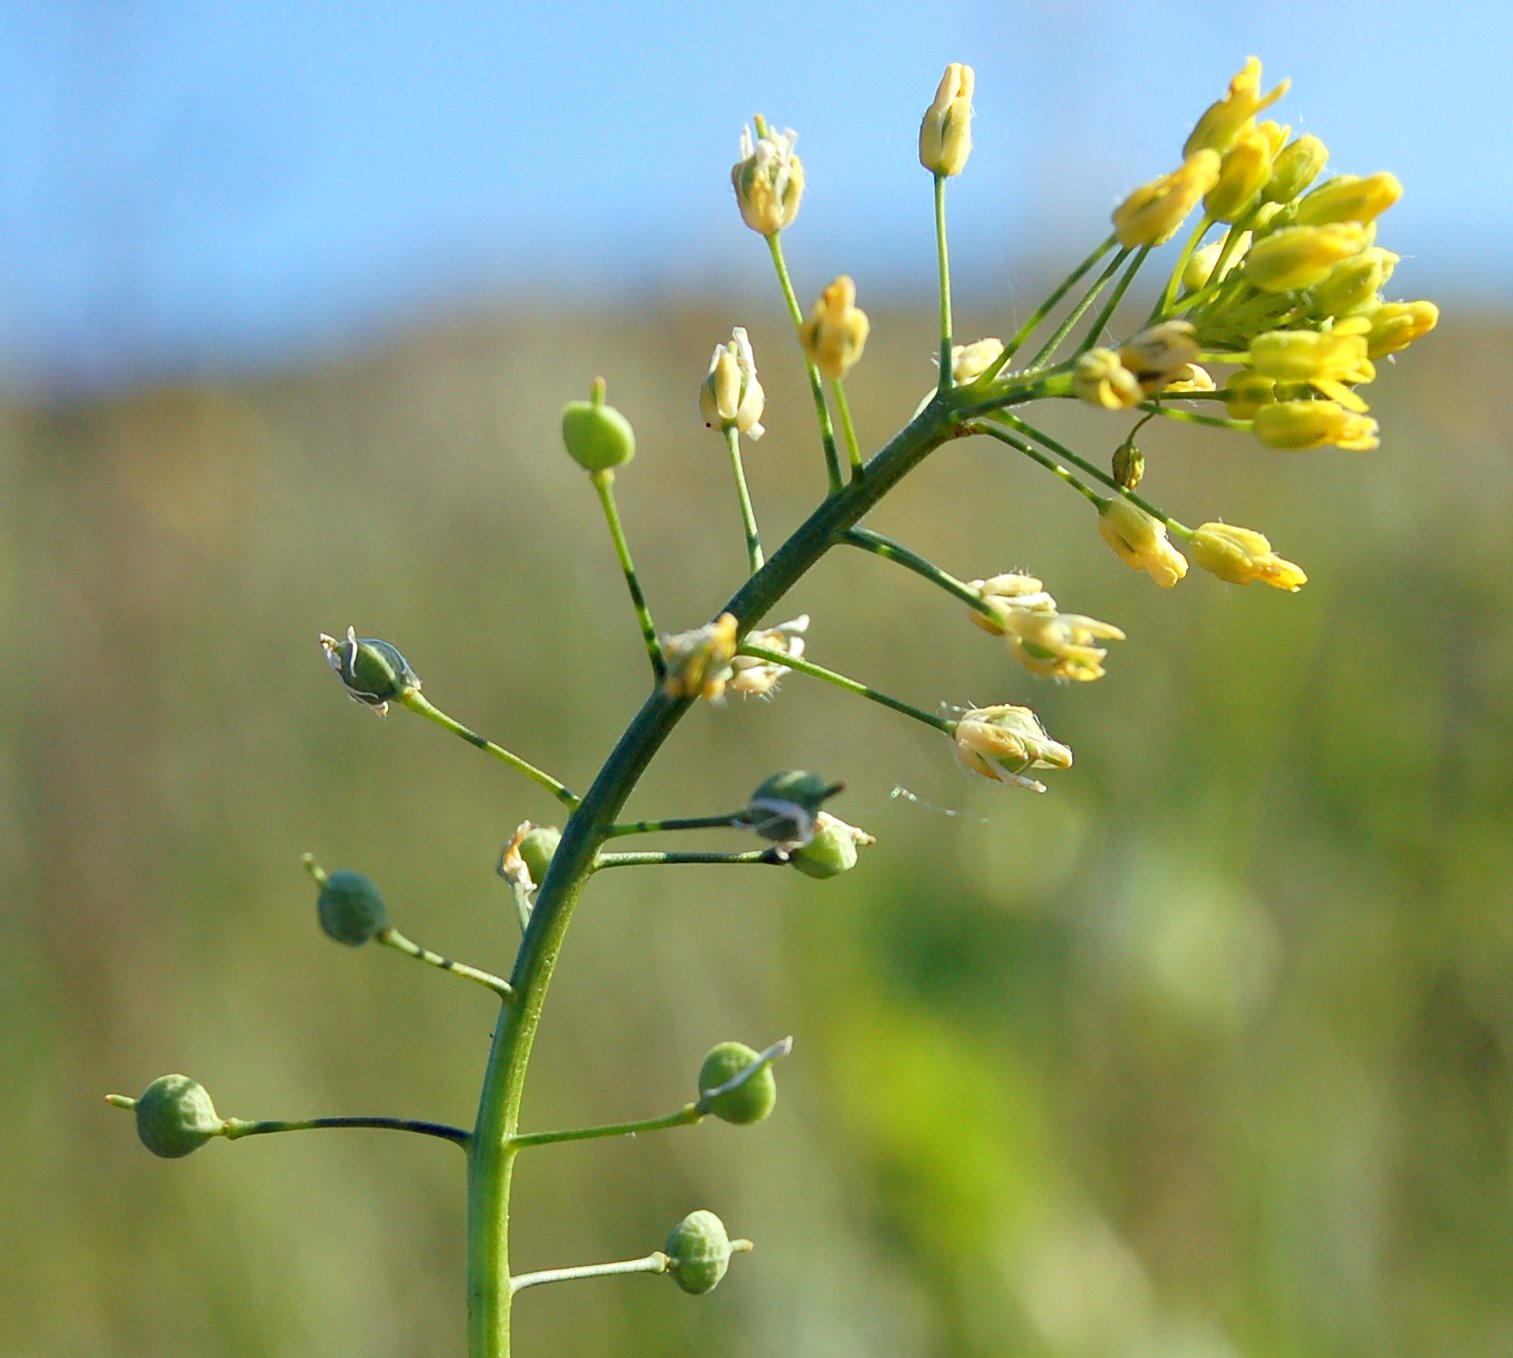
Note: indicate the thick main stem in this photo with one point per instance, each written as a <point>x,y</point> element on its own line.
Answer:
<point>491,1155</point>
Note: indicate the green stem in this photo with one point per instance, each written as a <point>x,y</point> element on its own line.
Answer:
<point>1061,450</point>
<point>657,858</point>
<point>946,377</point>
<point>656,1262</point>
<point>1193,417</point>
<point>843,409</point>
<point>1078,312</point>
<point>748,515</point>
<point>1169,292</point>
<point>604,482</point>
<point>413,700</point>
<point>1095,330</point>
<point>850,685</point>
<point>686,1116</point>
<point>651,827</point>
<point>491,1155</point>
<point>1047,306</point>
<point>889,550</point>
<point>996,431</point>
<point>816,384</point>
<point>236,1128</point>
<point>392,938</point>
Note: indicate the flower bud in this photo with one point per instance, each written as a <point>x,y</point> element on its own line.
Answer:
<point>831,850</point>
<point>374,673</point>
<point>1154,211</point>
<point>1300,256</point>
<point>1128,465</point>
<point>749,1101</point>
<point>698,1252</point>
<point>1002,742</point>
<point>945,135</point>
<point>1245,171</point>
<point>1294,426</point>
<point>752,677</point>
<point>1156,354</point>
<point>1101,379</point>
<point>1012,589</point>
<point>1225,120</point>
<point>175,1116</point>
<point>1355,281</point>
<point>1349,198</point>
<point>1297,165</point>
<point>768,179</point>
<point>350,908</point>
<point>784,806</point>
<point>1395,325</point>
<point>731,397</point>
<point>836,333</point>
<point>536,848</point>
<point>1141,541</point>
<point>1198,272</point>
<point>597,436</point>
<point>1240,555</point>
<point>970,361</point>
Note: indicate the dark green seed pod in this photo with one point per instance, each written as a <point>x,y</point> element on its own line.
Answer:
<point>698,1250</point>
<point>537,848</point>
<point>1129,465</point>
<point>752,1099</point>
<point>831,852</point>
<point>175,1116</point>
<point>784,806</point>
<point>596,436</point>
<point>374,672</point>
<point>351,909</point>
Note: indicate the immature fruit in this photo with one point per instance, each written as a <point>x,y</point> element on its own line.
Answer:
<point>596,436</point>
<point>537,848</point>
<point>784,806</point>
<point>175,1116</point>
<point>699,1252</point>
<point>350,908</point>
<point>752,1099</point>
<point>831,852</point>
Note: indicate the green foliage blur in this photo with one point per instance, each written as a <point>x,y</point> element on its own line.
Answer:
<point>1205,1053</point>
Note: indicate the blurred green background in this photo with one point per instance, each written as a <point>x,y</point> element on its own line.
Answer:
<point>1205,1053</point>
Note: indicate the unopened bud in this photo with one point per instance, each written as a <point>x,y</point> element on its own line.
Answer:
<point>536,847</point>
<point>1300,256</point>
<point>1128,465</point>
<point>836,333</point>
<point>1349,198</point>
<point>1297,165</point>
<point>945,135</point>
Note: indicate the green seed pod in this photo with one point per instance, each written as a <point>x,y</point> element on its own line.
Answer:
<point>1129,465</point>
<point>751,1100</point>
<point>537,848</point>
<point>831,852</point>
<point>374,672</point>
<point>698,1251</point>
<point>784,807</point>
<point>596,436</point>
<point>350,908</point>
<point>175,1116</point>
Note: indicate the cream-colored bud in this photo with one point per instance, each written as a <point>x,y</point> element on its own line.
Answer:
<point>1100,379</point>
<point>945,135</point>
<point>1198,272</point>
<point>970,361</point>
<point>768,179</point>
<point>731,397</point>
<point>837,329</point>
<point>1156,355</point>
<point>1004,741</point>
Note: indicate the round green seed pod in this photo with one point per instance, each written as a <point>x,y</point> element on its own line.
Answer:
<point>175,1116</point>
<point>831,852</point>
<point>537,848</point>
<point>749,1101</point>
<point>784,806</point>
<point>350,908</point>
<point>596,436</point>
<point>698,1250</point>
<point>1129,465</point>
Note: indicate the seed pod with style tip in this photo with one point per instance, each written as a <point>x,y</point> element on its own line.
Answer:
<point>698,1252</point>
<point>372,671</point>
<point>752,1099</point>
<point>537,848</point>
<point>831,850</point>
<point>175,1116</point>
<point>784,806</point>
<point>350,908</point>
<point>597,436</point>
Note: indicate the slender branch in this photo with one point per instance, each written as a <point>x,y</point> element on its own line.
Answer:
<point>1095,330</point>
<point>1069,323</point>
<point>1169,292</point>
<point>1046,307</point>
<point>889,550</point>
<point>1061,450</point>
<point>794,662</point>
<point>656,859</point>
<point>604,483</point>
<point>816,384</point>
<point>236,1128</point>
<point>392,938</point>
<point>1020,445</point>
<point>1193,417</point>
<point>686,1116</point>
<point>843,409</point>
<point>748,516</point>
<point>647,827</point>
<point>656,1262</point>
<point>416,702</point>
<point>946,376</point>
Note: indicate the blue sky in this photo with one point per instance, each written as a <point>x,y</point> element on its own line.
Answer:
<point>208,187</point>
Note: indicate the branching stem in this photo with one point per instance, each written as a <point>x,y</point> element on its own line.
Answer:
<point>604,484</point>
<point>816,383</point>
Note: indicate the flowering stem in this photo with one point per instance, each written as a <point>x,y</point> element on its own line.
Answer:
<point>237,1128</point>
<point>1061,450</point>
<point>1193,417</point>
<point>945,283</point>
<point>645,827</point>
<point>1047,306</point>
<point>843,409</point>
<point>1095,330</point>
<point>794,662</point>
<point>1035,455</point>
<point>1077,312</point>
<point>656,1262</point>
<point>816,385</point>
<point>604,484</point>
<point>684,1117</point>
<point>392,938</point>
<point>413,700</point>
<point>748,516</point>
<point>655,859</point>
<point>1169,292</point>
<point>889,550</point>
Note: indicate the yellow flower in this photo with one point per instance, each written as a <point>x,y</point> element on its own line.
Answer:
<point>1157,355</point>
<point>1002,742</point>
<point>1297,425</point>
<point>1297,165</point>
<point>1141,541</point>
<point>945,135</point>
<point>836,332</point>
<point>1225,120</point>
<point>1245,171</point>
<point>1100,379</point>
<point>1057,645</point>
<point>1395,325</point>
<point>1300,256</point>
<point>731,397</point>
<point>1240,555</point>
<point>1349,198</point>
<point>1154,211</point>
<point>698,662</point>
<point>1326,360</point>
<point>1002,592</point>
<point>768,179</point>
<point>760,677</point>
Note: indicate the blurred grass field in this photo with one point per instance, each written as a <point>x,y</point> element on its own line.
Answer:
<point>1206,1053</point>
